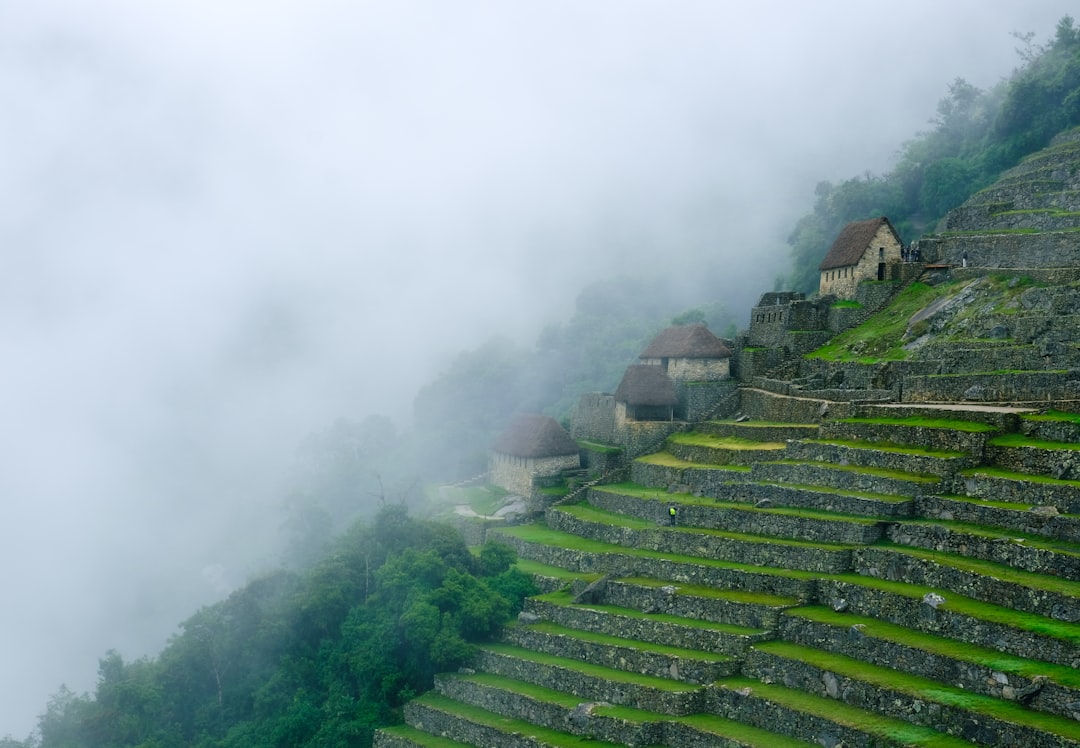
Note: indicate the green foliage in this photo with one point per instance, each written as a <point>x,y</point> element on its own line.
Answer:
<point>975,136</point>
<point>319,658</point>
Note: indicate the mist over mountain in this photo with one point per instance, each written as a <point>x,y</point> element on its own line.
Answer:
<point>226,227</point>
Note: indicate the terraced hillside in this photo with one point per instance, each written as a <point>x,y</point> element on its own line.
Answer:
<point>906,576</point>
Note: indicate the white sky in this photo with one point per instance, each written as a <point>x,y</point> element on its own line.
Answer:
<point>225,224</point>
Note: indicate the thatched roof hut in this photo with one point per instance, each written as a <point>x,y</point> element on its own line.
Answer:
<point>535,435</point>
<point>686,341</point>
<point>646,385</point>
<point>853,241</point>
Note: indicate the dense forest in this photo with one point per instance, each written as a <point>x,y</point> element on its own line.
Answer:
<point>372,601</point>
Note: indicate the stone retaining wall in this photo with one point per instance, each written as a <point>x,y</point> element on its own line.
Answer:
<point>643,628</point>
<point>1055,526</point>
<point>707,545</point>
<point>1058,463</point>
<point>719,455</point>
<point>1013,553</point>
<point>810,474</point>
<point>628,657</point>
<point>1051,430</point>
<point>913,613</point>
<point>900,567</point>
<point>548,714</point>
<point>1064,494</point>
<point>842,454</point>
<point>743,520</point>
<point>1004,251</point>
<point>1024,386</point>
<point>983,730</point>
<point>768,406</point>
<point>909,435</point>
<point>808,498</point>
<point>669,600</point>
<point>591,687</point>
<point>680,572</point>
<point>974,677</point>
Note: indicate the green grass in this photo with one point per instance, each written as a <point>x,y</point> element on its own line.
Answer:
<point>591,446</point>
<point>970,427</point>
<point>888,447</point>
<point>995,570</point>
<point>425,739</point>
<point>942,647</point>
<point>483,500</point>
<point>700,439</point>
<point>593,637</point>
<point>565,599</point>
<point>1019,440</point>
<point>849,716</point>
<point>880,338</point>
<point>1053,415</point>
<point>752,737</point>
<point>868,470</point>
<point>506,724</point>
<point>589,669</point>
<point>921,688</point>
<point>588,513</point>
<point>666,459</point>
<point>1001,473</point>
<point>847,304</point>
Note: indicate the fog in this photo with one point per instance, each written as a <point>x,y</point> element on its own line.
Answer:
<point>224,225</point>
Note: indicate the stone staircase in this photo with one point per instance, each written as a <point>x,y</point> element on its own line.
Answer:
<point>906,575</point>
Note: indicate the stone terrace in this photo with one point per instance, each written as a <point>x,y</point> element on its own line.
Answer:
<point>902,575</point>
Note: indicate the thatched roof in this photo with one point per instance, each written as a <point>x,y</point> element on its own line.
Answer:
<point>686,341</point>
<point>853,241</point>
<point>535,435</point>
<point>644,384</point>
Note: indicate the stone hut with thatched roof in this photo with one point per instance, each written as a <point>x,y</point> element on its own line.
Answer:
<point>646,393</point>
<point>689,353</point>
<point>533,447</point>
<point>864,250</point>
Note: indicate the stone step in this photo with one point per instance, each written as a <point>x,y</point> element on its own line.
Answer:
<point>903,459</point>
<point>1003,417</point>
<point>663,471</point>
<point>1038,594</point>
<point>821,720</point>
<point>914,699</point>
<point>822,498</point>
<point>951,435</point>
<point>808,525</point>
<point>552,709</point>
<point>992,387</point>
<point>404,736</point>
<point>1040,685</point>
<point>654,628</point>
<point>757,610</point>
<point>1052,427</point>
<point>632,532</point>
<point>1022,454</point>
<point>686,665</point>
<point>455,720</point>
<point>1002,544</point>
<point>760,431</point>
<point>846,477</point>
<point>764,405</point>
<point>591,682</point>
<point>1003,485</point>
<point>699,447</point>
<point>1035,520</point>
<point>539,543</point>
<point>958,617</point>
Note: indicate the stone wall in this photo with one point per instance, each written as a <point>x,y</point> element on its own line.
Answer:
<point>883,249</point>
<point>1019,250</point>
<point>693,369</point>
<point>699,400</point>
<point>594,418</point>
<point>1014,387</point>
<point>519,475</point>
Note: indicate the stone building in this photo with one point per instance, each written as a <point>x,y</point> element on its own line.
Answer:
<point>533,447</point>
<point>646,393</point>
<point>864,250</point>
<point>689,353</point>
